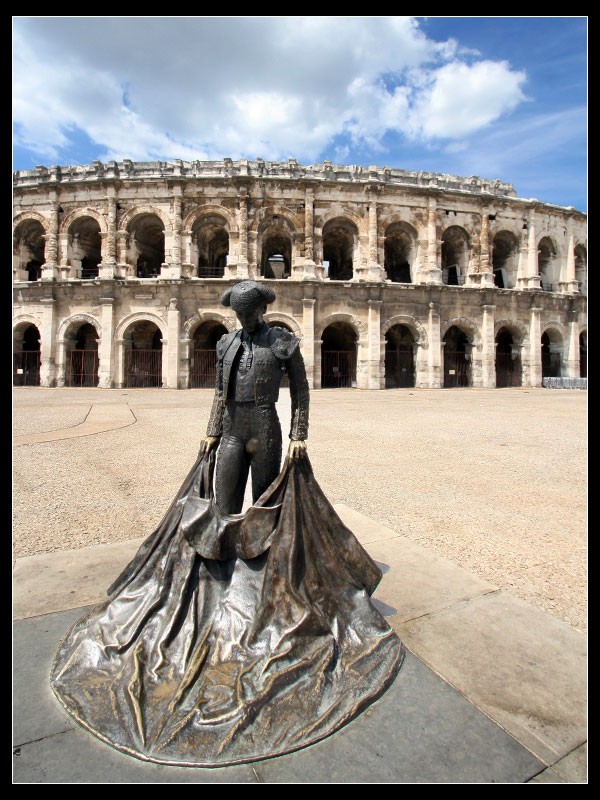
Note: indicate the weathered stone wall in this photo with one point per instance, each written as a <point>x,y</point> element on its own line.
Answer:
<point>473,258</point>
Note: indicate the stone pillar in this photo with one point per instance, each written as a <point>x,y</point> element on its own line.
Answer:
<point>51,238</point>
<point>310,272</point>
<point>184,363</point>
<point>242,269</point>
<point>572,352</point>
<point>47,339</point>
<point>105,346</point>
<point>488,348</point>
<point>522,262</point>
<point>171,369</point>
<point>485,274</point>
<point>374,365</point>
<point>172,269</point>
<point>568,283</point>
<point>374,271</point>
<point>107,266</point>
<point>535,350</point>
<point>533,279</point>
<point>308,339</point>
<point>435,347</point>
<point>124,268</point>
<point>434,270</point>
<point>120,363</point>
<point>61,362</point>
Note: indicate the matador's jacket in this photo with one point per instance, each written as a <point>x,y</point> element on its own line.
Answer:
<point>276,351</point>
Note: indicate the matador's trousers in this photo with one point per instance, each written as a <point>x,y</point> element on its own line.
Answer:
<point>251,440</point>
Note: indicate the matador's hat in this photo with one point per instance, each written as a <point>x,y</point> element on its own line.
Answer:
<point>246,295</point>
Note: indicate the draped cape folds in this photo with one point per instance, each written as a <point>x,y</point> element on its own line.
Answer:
<point>229,639</point>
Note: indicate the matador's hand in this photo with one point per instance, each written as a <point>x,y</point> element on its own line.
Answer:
<point>207,444</point>
<point>297,449</point>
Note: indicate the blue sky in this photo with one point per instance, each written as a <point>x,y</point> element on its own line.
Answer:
<point>496,97</point>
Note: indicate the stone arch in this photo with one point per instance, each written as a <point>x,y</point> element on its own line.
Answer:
<point>24,321</point>
<point>510,339</point>
<point>385,221</point>
<point>26,350</point>
<point>32,215</point>
<point>339,212</point>
<point>400,244</point>
<point>515,326</point>
<point>456,254</point>
<point>548,262</point>
<point>466,325</point>
<point>505,258</point>
<point>193,322</point>
<point>264,219</point>
<point>418,330</point>
<point>29,246</point>
<point>140,316</point>
<point>340,341</point>
<point>208,210</point>
<point>286,320</point>
<point>581,271</point>
<point>359,327</point>
<point>340,242</point>
<point>138,211</point>
<point>80,213</point>
<point>459,338</point>
<point>78,320</point>
<point>553,349</point>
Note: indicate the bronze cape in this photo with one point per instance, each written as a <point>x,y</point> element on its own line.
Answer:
<point>229,639</point>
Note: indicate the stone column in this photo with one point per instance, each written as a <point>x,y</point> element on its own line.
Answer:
<point>311,272</point>
<point>106,268</point>
<point>119,363</point>
<point>171,369</point>
<point>485,274</point>
<point>535,350</point>
<point>435,347</point>
<point>308,339</point>
<point>572,352</point>
<point>434,270</point>
<point>47,346</point>
<point>374,365</point>
<point>374,271</point>
<point>242,269</point>
<point>533,279</point>
<point>105,346</point>
<point>61,361</point>
<point>51,238</point>
<point>568,283</point>
<point>184,363</point>
<point>124,268</point>
<point>172,270</point>
<point>488,348</point>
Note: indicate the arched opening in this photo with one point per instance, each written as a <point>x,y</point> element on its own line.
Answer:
<point>399,358</point>
<point>26,356</point>
<point>146,245</point>
<point>29,250</point>
<point>399,248</point>
<point>143,356</point>
<point>204,357</point>
<point>583,355</point>
<point>505,252</point>
<point>211,240</point>
<point>339,237</point>
<point>547,264</point>
<point>338,356</point>
<point>455,255</point>
<point>581,268</point>
<point>84,247</point>
<point>82,357</point>
<point>508,360</point>
<point>552,347</point>
<point>457,359</point>
<point>276,258</point>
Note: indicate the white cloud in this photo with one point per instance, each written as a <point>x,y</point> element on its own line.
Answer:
<point>274,87</point>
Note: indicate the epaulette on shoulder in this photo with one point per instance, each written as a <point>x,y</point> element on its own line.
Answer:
<point>283,343</point>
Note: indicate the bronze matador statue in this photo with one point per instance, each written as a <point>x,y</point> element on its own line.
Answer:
<point>250,365</point>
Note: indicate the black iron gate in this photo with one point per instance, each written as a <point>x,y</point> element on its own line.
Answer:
<point>143,369</point>
<point>399,369</point>
<point>337,369</point>
<point>82,368</point>
<point>203,369</point>
<point>26,368</point>
<point>508,370</point>
<point>456,369</point>
<point>550,365</point>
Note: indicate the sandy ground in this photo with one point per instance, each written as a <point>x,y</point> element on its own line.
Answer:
<point>494,480</point>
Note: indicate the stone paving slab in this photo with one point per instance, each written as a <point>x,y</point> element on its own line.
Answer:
<point>420,731</point>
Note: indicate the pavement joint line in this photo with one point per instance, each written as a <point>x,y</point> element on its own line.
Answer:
<point>42,738</point>
<point>72,432</point>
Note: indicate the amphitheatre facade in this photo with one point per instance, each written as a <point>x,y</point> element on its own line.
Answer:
<point>389,278</point>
